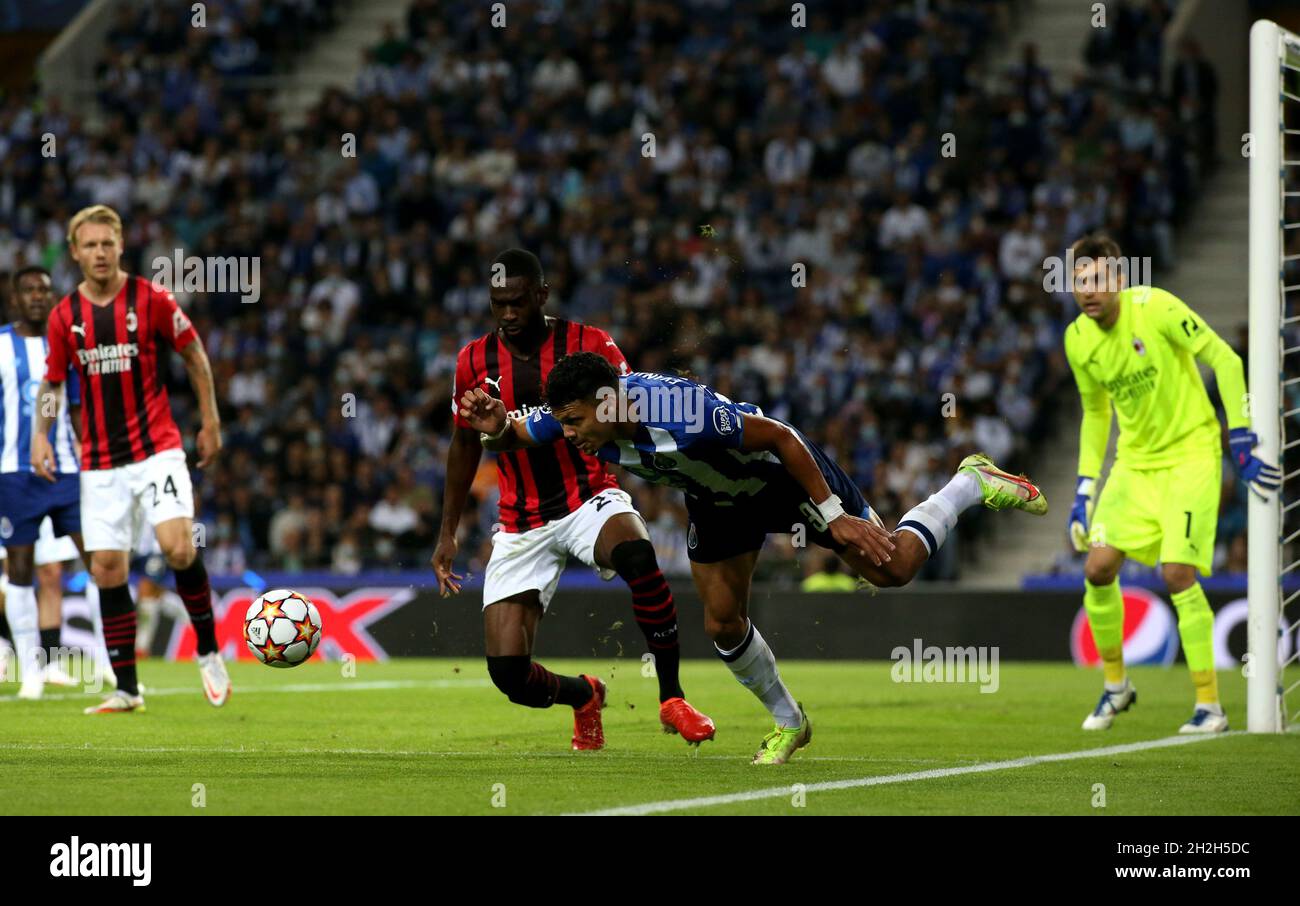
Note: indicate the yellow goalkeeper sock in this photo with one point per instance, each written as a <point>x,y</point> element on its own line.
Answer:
<point>1105,607</point>
<point>1207,687</point>
<point>1196,629</point>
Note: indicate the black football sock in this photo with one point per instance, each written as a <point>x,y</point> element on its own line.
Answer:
<point>655,612</point>
<point>525,682</point>
<point>50,642</point>
<point>192,585</point>
<point>118,612</point>
<point>574,691</point>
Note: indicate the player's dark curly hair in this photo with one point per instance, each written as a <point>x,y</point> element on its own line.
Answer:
<point>578,377</point>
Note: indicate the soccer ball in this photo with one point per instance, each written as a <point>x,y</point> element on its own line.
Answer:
<point>282,628</point>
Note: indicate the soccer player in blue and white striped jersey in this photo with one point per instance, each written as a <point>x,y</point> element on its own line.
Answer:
<point>745,476</point>
<point>25,498</point>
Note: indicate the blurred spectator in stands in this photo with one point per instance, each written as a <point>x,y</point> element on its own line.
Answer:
<point>923,273</point>
<point>1196,95</point>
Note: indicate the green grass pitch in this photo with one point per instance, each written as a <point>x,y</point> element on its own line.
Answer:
<point>433,736</point>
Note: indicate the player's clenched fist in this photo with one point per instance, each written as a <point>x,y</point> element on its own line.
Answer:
<point>484,413</point>
<point>1258,475</point>
<point>1081,513</point>
<point>42,456</point>
<point>208,443</point>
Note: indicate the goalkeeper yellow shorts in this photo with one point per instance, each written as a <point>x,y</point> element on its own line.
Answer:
<point>1166,514</point>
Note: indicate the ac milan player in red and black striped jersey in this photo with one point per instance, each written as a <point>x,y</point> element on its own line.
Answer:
<point>555,501</point>
<point>127,414</point>
<point>111,329</point>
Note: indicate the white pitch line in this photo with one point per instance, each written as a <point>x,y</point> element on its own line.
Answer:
<point>416,753</point>
<point>357,686</point>
<point>783,792</point>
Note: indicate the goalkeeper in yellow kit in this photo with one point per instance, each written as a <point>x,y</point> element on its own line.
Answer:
<point>1136,348</point>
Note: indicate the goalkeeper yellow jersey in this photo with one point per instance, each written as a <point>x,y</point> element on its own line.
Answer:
<point>1145,366</point>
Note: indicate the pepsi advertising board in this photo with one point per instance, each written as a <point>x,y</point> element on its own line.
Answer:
<point>377,622</point>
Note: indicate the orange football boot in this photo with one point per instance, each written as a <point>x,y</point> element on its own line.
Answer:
<point>679,716</point>
<point>588,734</point>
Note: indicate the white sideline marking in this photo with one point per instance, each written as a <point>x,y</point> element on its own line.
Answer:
<point>345,686</point>
<point>783,792</point>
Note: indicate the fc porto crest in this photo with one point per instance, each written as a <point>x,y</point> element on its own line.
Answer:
<point>1139,346</point>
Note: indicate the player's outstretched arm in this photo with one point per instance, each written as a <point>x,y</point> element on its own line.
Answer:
<point>51,398</point>
<point>497,430</point>
<point>1230,375</point>
<point>764,434</point>
<point>1187,331</point>
<point>1094,435</point>
<point>200,371</point>
<point>462,462</point>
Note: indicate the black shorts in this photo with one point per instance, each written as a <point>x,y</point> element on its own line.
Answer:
<point>719,531</point>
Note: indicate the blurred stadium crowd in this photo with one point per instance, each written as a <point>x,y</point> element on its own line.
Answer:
<point>922,255</point>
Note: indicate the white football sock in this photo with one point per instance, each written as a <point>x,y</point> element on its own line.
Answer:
<point>936,516</point>
<point>754,665</point>
<point>173,606</point>
<point>962,491</point>
<point>97,626</point>
<point>146,612</point>
<point>20,605</point>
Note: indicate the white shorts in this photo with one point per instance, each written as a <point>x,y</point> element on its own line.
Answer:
<point>53,550</point>
<point>524,561</point>
<point>112,500</point>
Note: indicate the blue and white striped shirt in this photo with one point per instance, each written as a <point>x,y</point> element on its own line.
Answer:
<point>689,437</point>
<point>22,368</point>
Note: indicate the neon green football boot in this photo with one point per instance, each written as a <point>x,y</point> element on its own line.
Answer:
<point>1001,490</point>
<point>781,743</point>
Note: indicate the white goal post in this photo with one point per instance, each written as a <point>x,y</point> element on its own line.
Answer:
<point>1274,525</point>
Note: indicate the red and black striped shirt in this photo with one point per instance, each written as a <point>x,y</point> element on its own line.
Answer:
<point>538,484</point>
<point>125,415</point>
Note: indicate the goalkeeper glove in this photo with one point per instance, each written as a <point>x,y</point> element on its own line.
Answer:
<point>1258,475</point>
<point>1081,513</point>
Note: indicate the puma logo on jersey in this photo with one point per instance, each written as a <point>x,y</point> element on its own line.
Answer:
<point>495,382</point>
<point>77,328</point>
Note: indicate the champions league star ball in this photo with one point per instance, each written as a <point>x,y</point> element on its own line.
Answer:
<point>282,628</point>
